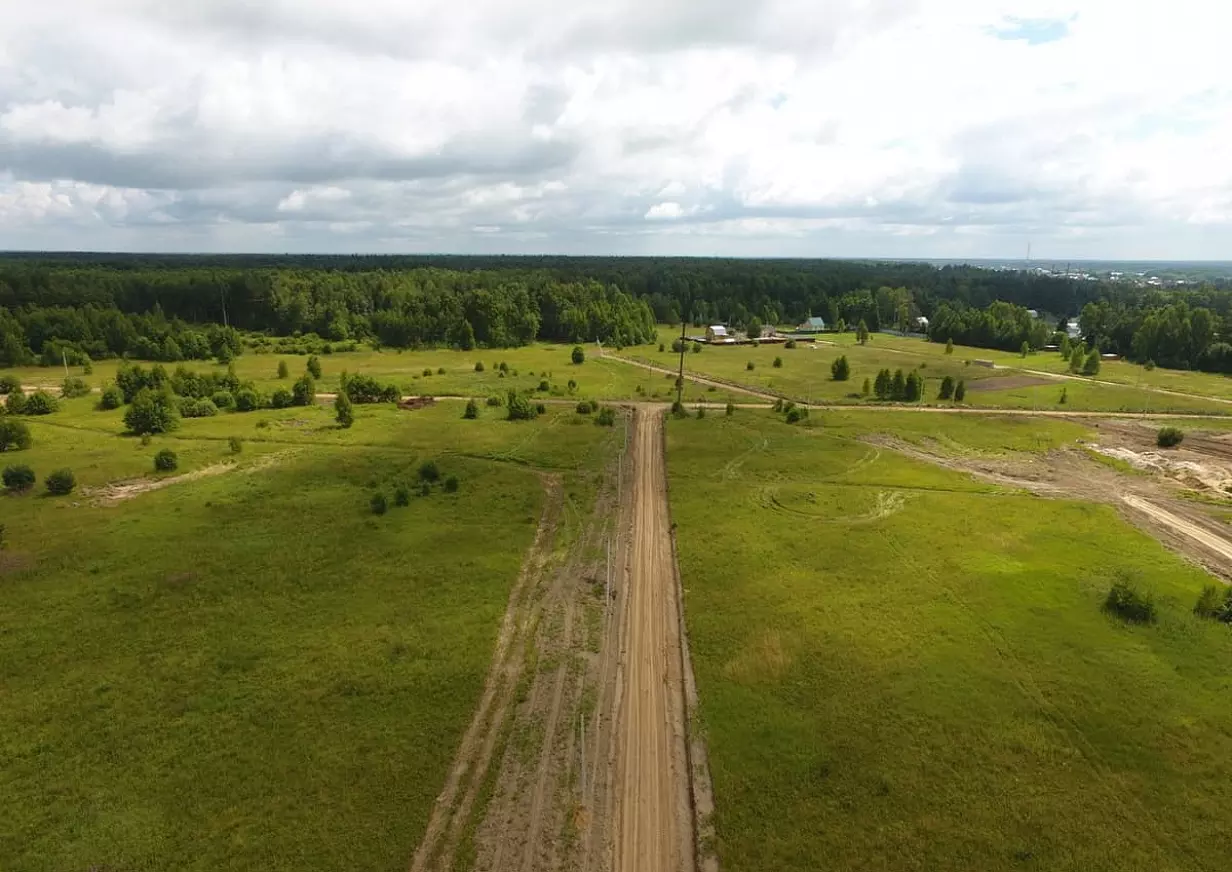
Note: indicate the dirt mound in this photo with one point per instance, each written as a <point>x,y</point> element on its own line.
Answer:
<point>410,404</point>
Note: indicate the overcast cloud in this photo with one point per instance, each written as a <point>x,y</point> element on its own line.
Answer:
<point>897,128</point>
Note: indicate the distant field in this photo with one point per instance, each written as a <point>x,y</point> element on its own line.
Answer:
<point>252,671</point>
<point>526,367</point>
<point>901,668</point>
<point>805,376</point>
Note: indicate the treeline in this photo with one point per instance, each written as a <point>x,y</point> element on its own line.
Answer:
<point>1001,325</point>
<point>1171,333</point>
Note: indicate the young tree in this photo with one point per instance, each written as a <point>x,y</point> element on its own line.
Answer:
<point>40,403</point>
<point>840,369</point>
<point>914,387</point>
<point>750,366</point>
<point>344,414</point>
<point>166,461</point>
<point>283,372</point>
<point>1076,360</point>
<point>960,391</point>
<point>466,336</point>
<point>778,363</point>
<point>60,483</point>
<point>752,329</point>
<point>472,410</point>
<point>947,388</point>
<point>152,412</point>
<point>884,384</point>
<point>74,387</point>
<point>1064,396</point>
<point>14,435</point>
<point>304,391</point>
<point>730,410</point>
<point>868,388</point>
<point>520,408</point>
<point>314,366</point>
<point>18,478</point>
<point>898,387</point>
<point>578,356</point>
<point>1091,365</point>
<point>949,346</point>
<point>1025,349</point>
<point>862,332</point>
<point>1067,347</point>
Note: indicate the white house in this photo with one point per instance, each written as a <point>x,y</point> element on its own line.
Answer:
<point>717,333</point>
<point>1072,329</point>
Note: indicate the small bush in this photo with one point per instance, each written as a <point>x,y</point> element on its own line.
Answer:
<point>520,408</point>
<point>750,366</point>
<point>428,471</point>
<point>14,435</point>
<point>1128,603</point>
<point>304,391</point>
<point>74,387</point>
<point>235,444</point>
<point>572,386</point>
<point>379,504</point>
<point>9,383</point>
<point>166,461</point>
<point>796,414</point>
<point>247,400</point>
<point>583,408</point>
<point>425,489</point>
<point>541,408</point>
<point>60,483</point>
<point>198,409</point>
<point>1215,603</point>
<point>503,366</point>
<point>578,356</point>
<point>778,363</point>
<point>112,398</point>
<point>472,410</point>
<point>344,412</point>
<point>606,417</point>
<point>16,402</point>
<point>314,366</point>
<point>701,412</point>
<point>427,371</point>
<point>678,410</point>
<point>440,370</point>
<point>18,478</point>
<point>283,372</point>
<point>544,386</point>
<point>1149,365</point>
<point>451,484</point>
<point>696,348</point>
<point>402,496</point>
<point>494,401</point>
<point>660,347</point>
<point>791,343</point>
<point>281,398</point>
<point>731,410</point>
<point>479,366</point>
<point>40,403</point>
<point>223,399</point>
<point>1169,437</point>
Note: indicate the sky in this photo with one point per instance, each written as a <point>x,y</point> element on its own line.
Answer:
<point>782,128</point>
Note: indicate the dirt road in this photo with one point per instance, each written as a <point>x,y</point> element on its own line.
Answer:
<point>653,821</point>
<point>1216,544</point>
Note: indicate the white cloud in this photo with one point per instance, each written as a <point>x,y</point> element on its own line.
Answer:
<point>860,127</point>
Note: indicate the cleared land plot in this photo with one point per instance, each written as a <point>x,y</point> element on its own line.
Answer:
<point>904,668</point>
<point>253,671</point>
<point>596,378</point>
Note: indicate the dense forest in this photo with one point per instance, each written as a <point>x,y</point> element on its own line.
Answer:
<point>189,307</point>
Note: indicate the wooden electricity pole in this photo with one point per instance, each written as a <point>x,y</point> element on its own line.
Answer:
<point>680,375</point>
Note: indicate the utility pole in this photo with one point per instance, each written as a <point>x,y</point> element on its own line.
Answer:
<point>680,375</point>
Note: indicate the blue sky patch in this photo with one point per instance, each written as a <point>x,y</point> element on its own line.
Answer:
<point>1033,31</point>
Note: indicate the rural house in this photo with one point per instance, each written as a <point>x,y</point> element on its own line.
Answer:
<point>812,325</point>
<point>717,333</point>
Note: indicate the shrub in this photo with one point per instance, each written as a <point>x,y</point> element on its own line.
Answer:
<point>660,347</point>
<point>14,435</point>
<point>678,409</point>
<point>379,504</point>
<point>503,366</point>
<point>223,399</point>
<point>304,391</point>
<point>701,412</point>
<point>165,461</point>
<point>1215,603</point>
<point>152,412</point>
<point>1149,365</point>
<point>440,370</point>
<point>247,400</point>
<point>731,410</point>
<point>451,484</point>
<point>402,496</point>
<point>696,348</point>
<point>429,472</point>
<point>577,355</point>
<point>867,389</point>
<point>1128,603</point>
<point>198,409</point>
<point>796,414</point>
<point>18,478</point>
<point>343,413</point>
<point>947,388</point>
<point>366,389</point>
<point>283,372</point>
<point>840,370</point>
<point>778,363</point>
<point>583,408</point>
<point>427,373</point>
<point>236,444</point>
<point>750,366</point>
<point>39,403</point>
<point>1169,437</point>
<point>472,410</point>
<point>9,383</point>
<point>541,408</point>
<point>791,343</point>
<point>1064,398</point>
<point>479,366</point>
<point>314,366</point>
<point>520,408</point>
<point>112,398</point>
<point>74,387</point>
<point>572,386</point>
<point>606,417</point>
<point>281,398</point>
<point>60,483</point>
<point>544,386</point>
<point>960,391</point>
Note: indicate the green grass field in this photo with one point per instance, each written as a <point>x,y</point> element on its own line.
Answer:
<point>805,376</point>
<point>252,671</point>
<point>596,378</point>
<point>901,668</point>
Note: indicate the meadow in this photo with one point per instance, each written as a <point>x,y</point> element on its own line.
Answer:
<point>418,373</point>
<point>252,670</point>
<point>805,376</point>
<point>903,668</point>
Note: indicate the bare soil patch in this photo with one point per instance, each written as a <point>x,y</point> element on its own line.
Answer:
<point>1006,383</point>
<point>116,492</point>
<point>14,561</point>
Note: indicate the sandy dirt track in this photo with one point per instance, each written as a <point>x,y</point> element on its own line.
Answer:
<point>1215,543</point>
<point>653,823</point>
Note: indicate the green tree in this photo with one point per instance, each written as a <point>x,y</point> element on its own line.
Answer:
<point>1067,347</point>
<point>778,363</point>
<point>74,387</point>
<point>862,332</point>
<point>884,384</point>
<point>947,388</point>
<point>913,390</point>
<point>1092,363</point>
<point>304,391</point>
<point>281,398</point>
<point>578,356</point>
<point>466,336</point>
<point>752,328</point>
<point>1064,396</point>
<point>472,410</point>
<point>840,369</point>
<point>283,372</point>
<point>166,461</point>
<point>960,391</point>
<point>868,388</point>
<point>112,398</point>
<point>40,403</point>
<point>60,483</point>
<point>344,414</point>
<point>519,408</point>
<point>898,386</point>
<point>14,435</point>
<point>1024,350</point>
<point>314,366</point>
<point>18,478</point>
<point>1076,360</point>
<point>152,412</point>
<point>949,346</point>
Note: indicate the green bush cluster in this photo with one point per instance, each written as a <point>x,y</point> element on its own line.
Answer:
<point>1127,602</point>
<point>18,478</point>
<point>166,461</point>
<point>60,483</point>
<point>1169,437</point>
<point>1215,603</point>
<point>14,435</point>
<point>73,387</point>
